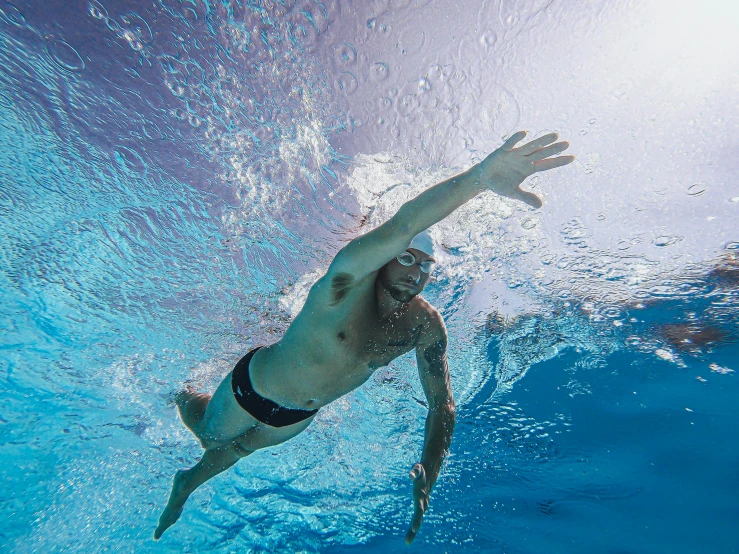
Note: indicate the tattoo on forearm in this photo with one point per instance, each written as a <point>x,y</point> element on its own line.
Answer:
<point>340,285</point>
<point>435,355</point>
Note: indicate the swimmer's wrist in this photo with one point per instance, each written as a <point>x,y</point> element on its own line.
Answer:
<point>476,178</point>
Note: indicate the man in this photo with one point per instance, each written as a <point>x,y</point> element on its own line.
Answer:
<point>362,314</point>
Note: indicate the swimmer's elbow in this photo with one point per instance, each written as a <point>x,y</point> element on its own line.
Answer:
<point>446,409</point>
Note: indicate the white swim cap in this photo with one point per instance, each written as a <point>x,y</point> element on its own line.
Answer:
<point>424,242</point>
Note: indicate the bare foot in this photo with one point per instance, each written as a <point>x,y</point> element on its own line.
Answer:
<point>173,509</point>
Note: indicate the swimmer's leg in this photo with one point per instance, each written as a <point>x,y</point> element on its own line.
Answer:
<point>215,419</point>
<point>219,459</point>
<point>192,405</point>
<point>186,481</point>
<point>224,419</point>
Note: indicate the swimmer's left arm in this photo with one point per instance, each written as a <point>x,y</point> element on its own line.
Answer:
<point>434,373</point>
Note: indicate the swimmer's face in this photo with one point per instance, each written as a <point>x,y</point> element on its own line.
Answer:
<point>402,282</point>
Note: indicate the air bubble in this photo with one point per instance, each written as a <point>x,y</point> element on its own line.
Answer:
<point>488,38</point>
<point>176,88</point>
<point>132,40</point>
<point>64,55</point>
<point>139,28</point>
<point>97,10</point>
<point>665,240</point>
<point>696,189</point>
<point>530,223</point>
<point>379,71</point>
<point>509,19</point>
<point>346,82</point>
<point>346,54</point>
<point>12,15</point>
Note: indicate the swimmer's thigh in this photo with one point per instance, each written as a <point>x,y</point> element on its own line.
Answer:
<point>224,418</point>
<point>264,436</point>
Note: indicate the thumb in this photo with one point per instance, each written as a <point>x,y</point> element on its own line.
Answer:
<point>528,197</point>
<point>417,471</point>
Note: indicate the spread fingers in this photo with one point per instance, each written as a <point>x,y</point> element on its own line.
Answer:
<point>515,138</point>
<point>534,145</point>
<point>551,163</point>
<point>547,151</point>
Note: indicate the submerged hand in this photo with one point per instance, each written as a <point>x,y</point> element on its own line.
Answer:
<point>504,170</point>
<point>420,500</point>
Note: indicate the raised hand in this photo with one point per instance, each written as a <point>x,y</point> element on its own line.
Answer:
<point>504,170</point>
<point>420,500</point>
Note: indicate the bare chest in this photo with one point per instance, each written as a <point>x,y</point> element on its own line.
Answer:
<point>375,342</point>
<point>327,353</point>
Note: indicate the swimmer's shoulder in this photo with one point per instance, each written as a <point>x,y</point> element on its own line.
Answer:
<point>427,315</point>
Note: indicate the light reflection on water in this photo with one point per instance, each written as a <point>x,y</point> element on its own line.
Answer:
<point>175,177</point>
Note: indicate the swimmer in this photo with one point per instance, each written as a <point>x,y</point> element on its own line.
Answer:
<point>362,314</point>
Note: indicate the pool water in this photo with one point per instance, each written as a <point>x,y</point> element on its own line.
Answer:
<point>175,175</point>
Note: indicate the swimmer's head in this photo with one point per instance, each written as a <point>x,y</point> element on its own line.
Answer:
<point>424,242</point>
<point>405,276</point>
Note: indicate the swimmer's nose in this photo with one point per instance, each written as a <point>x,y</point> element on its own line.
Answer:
<point>414,279</point>
<point>414,274</point>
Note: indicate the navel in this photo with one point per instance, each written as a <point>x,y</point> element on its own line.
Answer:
<point>341,335</point>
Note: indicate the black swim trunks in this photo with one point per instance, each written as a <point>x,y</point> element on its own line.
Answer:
<point>261,408</point>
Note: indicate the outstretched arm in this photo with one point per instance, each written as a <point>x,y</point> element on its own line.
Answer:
<point>434,373</point>
<point>502,172</point>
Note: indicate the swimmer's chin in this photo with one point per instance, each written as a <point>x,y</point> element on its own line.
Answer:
<point>404,295</point>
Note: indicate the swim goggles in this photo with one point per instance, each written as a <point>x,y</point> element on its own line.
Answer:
<point>408,259</point>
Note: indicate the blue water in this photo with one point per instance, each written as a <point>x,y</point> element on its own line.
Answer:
<point>175,175</point>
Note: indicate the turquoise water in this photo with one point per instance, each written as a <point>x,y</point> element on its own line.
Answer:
<point>174,176</point>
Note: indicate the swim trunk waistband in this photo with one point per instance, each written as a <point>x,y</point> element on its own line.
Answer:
<point>262,409</point>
